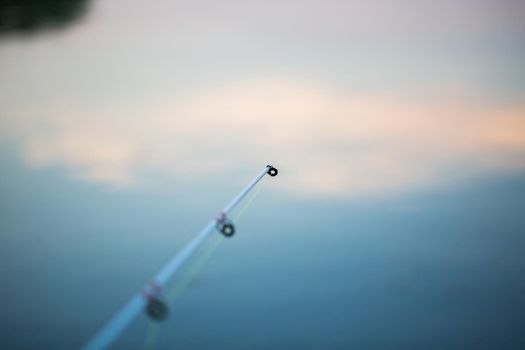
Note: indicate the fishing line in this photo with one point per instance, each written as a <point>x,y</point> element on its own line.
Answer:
<point>178,289</point>
<point>183,282</point>
<point>187,276</point>
<point>202,259</point>
<point>212,246</point>
<point>239,213</point>
<point>150,298</point>
<point>152,335</point>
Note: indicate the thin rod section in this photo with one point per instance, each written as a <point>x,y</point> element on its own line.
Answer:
<point>121,320</point>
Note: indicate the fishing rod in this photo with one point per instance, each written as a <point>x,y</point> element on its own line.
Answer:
<point>149,299</point>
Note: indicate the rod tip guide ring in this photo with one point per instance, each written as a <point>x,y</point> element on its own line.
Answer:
<point>272,171</point>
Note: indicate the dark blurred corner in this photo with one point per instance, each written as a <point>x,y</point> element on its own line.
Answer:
<point>29,16</point>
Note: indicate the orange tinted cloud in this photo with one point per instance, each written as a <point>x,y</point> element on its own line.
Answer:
<point>334,143</point>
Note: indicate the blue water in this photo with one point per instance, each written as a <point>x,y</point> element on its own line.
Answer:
<point>409,234</point>
<point>439,270</point>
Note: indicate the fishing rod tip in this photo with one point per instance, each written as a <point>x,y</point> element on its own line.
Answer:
<point>272,171</point>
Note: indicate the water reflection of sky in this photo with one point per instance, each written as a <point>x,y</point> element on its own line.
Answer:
<point>395,222</point>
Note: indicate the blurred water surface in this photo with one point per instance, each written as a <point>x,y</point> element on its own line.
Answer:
<point>396,221</point>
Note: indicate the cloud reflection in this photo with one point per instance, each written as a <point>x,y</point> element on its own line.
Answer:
<point>330,142</point>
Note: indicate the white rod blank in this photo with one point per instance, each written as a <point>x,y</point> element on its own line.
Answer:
<point>120,321</point>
